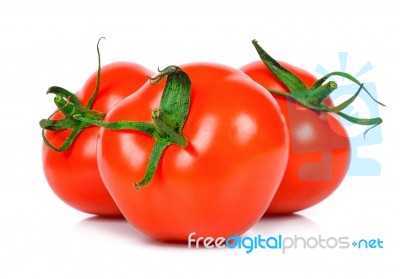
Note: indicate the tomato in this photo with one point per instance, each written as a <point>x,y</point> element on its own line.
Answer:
<point>221,183</point>
<point>319,151</point>
<point>73,174</point>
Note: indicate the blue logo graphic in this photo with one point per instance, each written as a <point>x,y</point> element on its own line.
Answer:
<point>368,244</point>
<point>363,107</point>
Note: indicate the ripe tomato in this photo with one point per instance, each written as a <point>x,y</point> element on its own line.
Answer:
<point>222,182</point>
<point>319,151</point>
<point>73,174</point>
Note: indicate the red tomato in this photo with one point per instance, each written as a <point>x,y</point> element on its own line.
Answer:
<point>73,174</point>
<point>319,150</point>
<point>222,182</point>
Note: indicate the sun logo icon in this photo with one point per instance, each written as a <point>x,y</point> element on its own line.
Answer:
<point>362,107</point>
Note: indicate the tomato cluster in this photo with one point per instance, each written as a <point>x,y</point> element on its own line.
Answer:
<point>202,147</point>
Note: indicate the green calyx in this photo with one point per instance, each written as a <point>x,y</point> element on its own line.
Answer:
<point>314,96</point>
<point>168,119</point>
<point>166,129</point>
<point>69,105</point>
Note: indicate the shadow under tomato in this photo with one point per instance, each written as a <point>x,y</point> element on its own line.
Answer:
<point>268,225</point>
<point>167,243</point>
<point>119,227</point>
<point>116,226</point>
<point>285,224</point>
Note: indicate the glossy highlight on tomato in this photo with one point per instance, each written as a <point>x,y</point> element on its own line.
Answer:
<point>319,146</point>
<point>73,174</point>
<point>221,183</point>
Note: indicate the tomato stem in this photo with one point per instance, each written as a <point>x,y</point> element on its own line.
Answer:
<point>69,122</point>
<point>168,119</point>
<point>147,128</point>
<point>167,128</point>
<point>96,90</point>
<point>70,106</point>
<point>314,96</point>
<point>158,149</point>
<point>292,82</point>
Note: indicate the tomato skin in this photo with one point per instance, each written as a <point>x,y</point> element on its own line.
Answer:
<point>223,181</point>
<point>319,146</point>
<point>73,174</point>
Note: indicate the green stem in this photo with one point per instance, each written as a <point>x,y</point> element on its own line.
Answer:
<point>58,91</point>
<point>56,125</point>
<point>165,127</point>
<point>346,103</point>
<point>318,95</point>
<point>313,97</point>
<point>158,149</point>
<point>96,90</point>
<point>67,142</point>
<point>69,109</point>
<point>292,82</point>
<point>168,120</point>
<point>70,106</point>
<point>147,128</point>
<point>347,76</point>
<point>361,121</point>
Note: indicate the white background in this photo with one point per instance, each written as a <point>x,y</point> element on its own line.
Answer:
<point>44,43</point>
